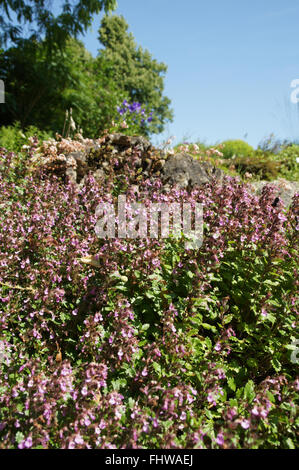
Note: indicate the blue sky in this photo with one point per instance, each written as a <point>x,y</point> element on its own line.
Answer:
<point>230,64</point>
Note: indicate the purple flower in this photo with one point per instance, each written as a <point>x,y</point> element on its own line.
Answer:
<point>79,439</point>
<point>219,439</point>
<point>26,444</point>
<point>231,413</point>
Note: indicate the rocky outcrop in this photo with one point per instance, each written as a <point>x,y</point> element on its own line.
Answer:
<point>135,158</point>
<point>113,155</point>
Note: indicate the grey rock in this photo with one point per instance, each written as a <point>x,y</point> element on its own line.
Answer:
<point>71,174</point>
<point>125,141</point>
<point>140,143</point>
<point>122,140</point>
<point>183,170</point>
<point>99,175</point>
<point>80,157</point>
<point>284,189</point>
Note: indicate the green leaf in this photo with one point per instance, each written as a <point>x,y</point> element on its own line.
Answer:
<point>207,326</point>
<point>131,402</point>
<point>276,364</point>
<point>252,363</point>
<point>190,274</point>
<point>157,367</point>
<point>19,437</point>
<point>231,384</point>
<point>290,443</point>
<point>150,295</point>
<point>121,288</point>
<point>228,318</point>
<point>249,393</point>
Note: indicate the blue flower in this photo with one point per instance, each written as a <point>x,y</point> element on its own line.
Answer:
<point>135,107</point>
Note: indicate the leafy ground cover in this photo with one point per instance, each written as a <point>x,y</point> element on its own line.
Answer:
<point>123,343</point>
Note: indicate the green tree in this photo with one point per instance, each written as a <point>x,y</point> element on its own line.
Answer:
<point>39,88</point>
<point>136,73</point>
<point>72,20</point>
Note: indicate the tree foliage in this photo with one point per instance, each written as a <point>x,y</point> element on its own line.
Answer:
<point>40,88</point>
<point>72,20</point>
<point>139,75</point>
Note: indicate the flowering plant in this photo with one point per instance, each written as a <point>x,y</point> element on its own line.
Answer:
<point>124,343</point>
<point>132,118</point>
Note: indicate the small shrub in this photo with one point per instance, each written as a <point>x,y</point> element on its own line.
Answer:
<point>13,137</point>
<point>260,165</point>
<point>288,161</point>
<point>239,148</point>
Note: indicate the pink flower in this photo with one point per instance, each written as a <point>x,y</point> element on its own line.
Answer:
<point>79,439</point>
<point>183,416</point>
<point>219,439</point>
<point>120,354</point>
<point>255,411</point>
<point>231,413</point>
<point>245,423</point>
<point>26,444</point>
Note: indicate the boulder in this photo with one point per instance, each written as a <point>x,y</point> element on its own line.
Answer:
<point>184,171</point>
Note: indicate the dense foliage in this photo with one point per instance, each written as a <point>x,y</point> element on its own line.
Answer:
<point>139,76</point>
<point>288,162</point>
<point>73,19</point>
<point>13,138</point>
<point>237,148</point>
<point>123,343</point>
<point>40,88</point>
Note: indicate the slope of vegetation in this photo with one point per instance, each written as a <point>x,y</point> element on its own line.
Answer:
<point>123,343</point>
